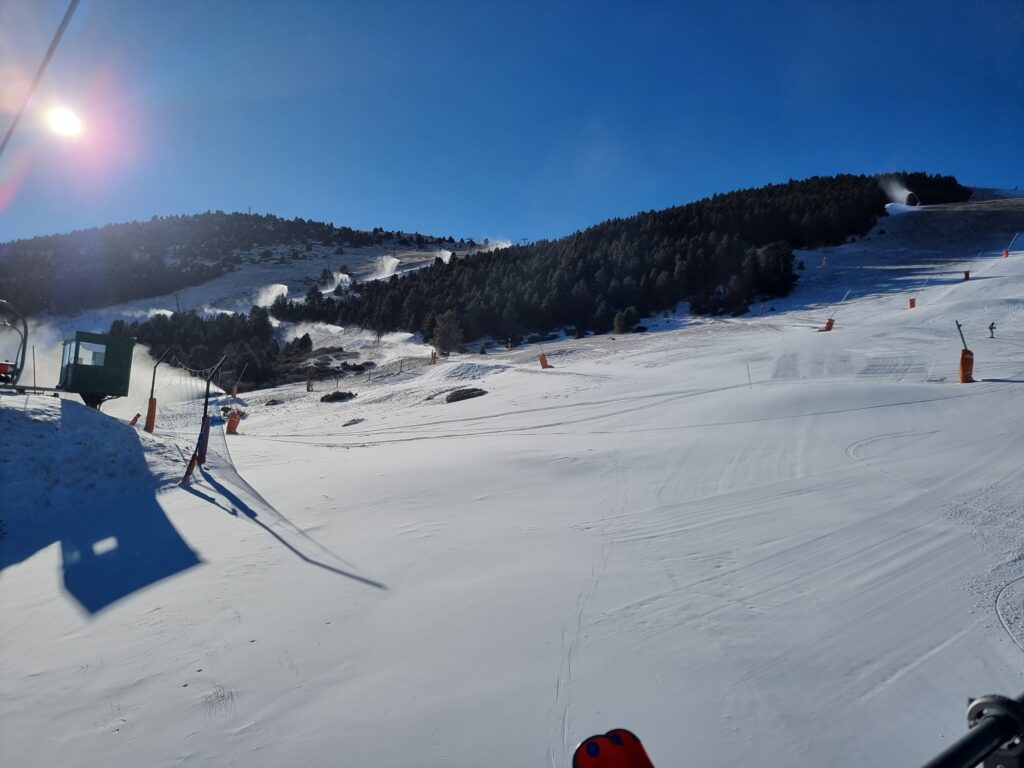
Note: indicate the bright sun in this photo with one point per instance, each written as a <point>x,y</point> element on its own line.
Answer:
<point>64,121</point>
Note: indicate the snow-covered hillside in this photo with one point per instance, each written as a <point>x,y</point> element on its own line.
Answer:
<point>749,541</point>
<point>259,279</point>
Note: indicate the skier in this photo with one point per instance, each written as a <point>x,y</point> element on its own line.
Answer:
<point>992,330</point>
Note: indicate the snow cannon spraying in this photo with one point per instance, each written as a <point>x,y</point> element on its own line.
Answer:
<point>901,198</point>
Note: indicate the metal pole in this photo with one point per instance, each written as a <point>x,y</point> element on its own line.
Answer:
<point>150,424</point>
<point>213,372</point>
<point>238,378</point>
<point>204,432</point>
<point>960,329</point>
<point>152,387</point>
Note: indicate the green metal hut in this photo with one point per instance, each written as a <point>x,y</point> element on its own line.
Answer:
<point>96,366</point>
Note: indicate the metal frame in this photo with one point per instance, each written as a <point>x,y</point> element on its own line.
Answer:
<point>996,736</point>
<point>11,379</point>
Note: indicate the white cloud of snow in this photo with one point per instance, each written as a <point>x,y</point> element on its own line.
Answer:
<point>266,295</point>
<point>895,189</point>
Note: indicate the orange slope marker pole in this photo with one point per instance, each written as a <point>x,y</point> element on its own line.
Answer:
<point>151,408</point>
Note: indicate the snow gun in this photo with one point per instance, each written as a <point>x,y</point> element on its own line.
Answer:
<point>995,738</point>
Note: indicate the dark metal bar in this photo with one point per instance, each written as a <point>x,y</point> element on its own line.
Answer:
<point>994,722</point>
<point>979,742</point>
<point>204,431</point>
<point>39,73</point>
<point>961,330</point>
<point>152,387</point>
<point>213,372</point>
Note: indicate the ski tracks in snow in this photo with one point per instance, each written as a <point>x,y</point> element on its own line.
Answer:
<point>1010,610</point>
<point>1009,600</point>
<point>559,746</point>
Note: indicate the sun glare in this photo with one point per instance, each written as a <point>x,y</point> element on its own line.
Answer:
<point>64,121</point>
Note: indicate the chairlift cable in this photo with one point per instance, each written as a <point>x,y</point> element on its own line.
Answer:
<point>39,74</point>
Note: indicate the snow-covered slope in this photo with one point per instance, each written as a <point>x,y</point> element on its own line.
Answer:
<point>288,271</point>
<point>749,541</point>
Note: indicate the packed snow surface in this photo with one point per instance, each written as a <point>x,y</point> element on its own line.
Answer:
<point>894,209</point>
<point>749,541</point>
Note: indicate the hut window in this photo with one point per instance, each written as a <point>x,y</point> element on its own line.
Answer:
<point>91,354</point>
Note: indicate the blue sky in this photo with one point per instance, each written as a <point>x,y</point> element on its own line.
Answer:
<point>501,120</point>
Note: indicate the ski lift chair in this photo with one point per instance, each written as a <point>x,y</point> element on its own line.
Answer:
<point>11,318</point>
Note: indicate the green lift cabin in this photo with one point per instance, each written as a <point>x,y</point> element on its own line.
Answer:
<point>96,366</point>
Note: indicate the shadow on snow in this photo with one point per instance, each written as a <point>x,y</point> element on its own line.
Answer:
<point>234,502</point>
<point>88,488</point>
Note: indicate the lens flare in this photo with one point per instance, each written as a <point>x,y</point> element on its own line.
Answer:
<point>64,122</point>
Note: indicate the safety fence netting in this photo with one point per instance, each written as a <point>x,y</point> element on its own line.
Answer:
<point>236,495</point>
<point>220,466</point>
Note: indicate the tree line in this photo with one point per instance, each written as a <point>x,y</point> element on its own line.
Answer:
<point>246,341</point>
<point>719,254</point>
<point>89,268</point>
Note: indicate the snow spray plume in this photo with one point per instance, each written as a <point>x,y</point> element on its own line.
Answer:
<point>385,266</point>
<point>341,279</point>
<point>172,384</point>
<point>497,245</point>
<point>321,334</point>
<point>265,296</point>
<point>207,311</point>
<point>895,189</point>
<point>46,339</point>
